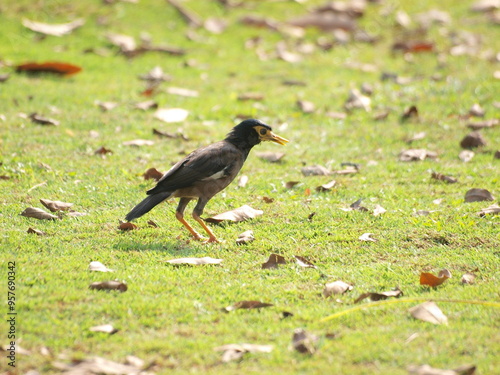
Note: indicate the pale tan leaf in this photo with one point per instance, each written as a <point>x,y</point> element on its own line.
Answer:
<point>367,237</point>
<point>251,348</point>
<point>215,25</point>
<point>476,110</point>
<point>105,328</point>
<point>478,195</point>
<point>306,106</point>
<point>326,21</point>
<point>303,262</point>
<point>242,181</point>
<point>155,75</point>
<point>270,156</point>
<point>106,106</point>
<point>429,312</point>
<point>336,287</point>
<point>416,137</point>
<point>38,213</point>
<point>194,261</point>
<point>97,365</point>
<point>428,370</point>
<point>326,187</point>
<point>245,237</point>
<point>35,231</point>
<point>55,206</point>
<point>493,209</point>
<point>304,342</point>
<point>285,55</point>
<point>485,6</point>
<point>416,155</point>
<point>182,92</point>
<point>379,296</point>
<point>256,96</point>
<point>379,210</point>
<point>148,104</point>
<point>315,170</point>
<point>139,143</point>
<point>109,285</point>
<point>247,305</point>
<point>39,119</point>
<point>238,214</point>
<point>478,125</point>
<point>53,29</point>
<point>468,278</point>
<point>466,155</point>
<point>357,100</point>
<point>98,266</point>
<point>273,261</point>
<point>170,115</point>
<point>124,42</point>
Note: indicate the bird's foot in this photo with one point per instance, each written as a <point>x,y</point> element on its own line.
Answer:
<point>212,240</point>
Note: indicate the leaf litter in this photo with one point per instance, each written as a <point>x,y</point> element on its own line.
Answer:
<point>304,342</point>
<point>56,206</point>
<point>233,352</point>
<point>242,213</point>
<point>98,266</point>
<point>373,296</point>
<point>109,285</point>
<point>478,195</point>
<point>336,287</point>
<point>245,238</point>
<point>194,261</point>
<point>247,305</point>
<point>38,213</point>
<point>429,279</point>
<point>273,261</point>
<point>429,312</point>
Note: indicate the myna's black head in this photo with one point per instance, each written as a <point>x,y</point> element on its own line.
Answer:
<point>251,132</point>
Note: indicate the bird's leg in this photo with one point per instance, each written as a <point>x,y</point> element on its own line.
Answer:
<point>198,210</point>
<point>179,215</point>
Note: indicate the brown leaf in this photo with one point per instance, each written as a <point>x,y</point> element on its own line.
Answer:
<point>270,156</point>
<point>170,115</point>
<point>39,119</point>
<point>478,125</point>
<point>164,134</point>
<point>337,287</point>
<point>37,213</point>
<point>4,177</point>
<point>379,296</point>
<point>194,261</point>
<point>245,238</point>
<point>305,106</point>
<point>152,174</point>
<point>291,184</point>
<point>139,143</point>
<point>416,137</point>
<point>466,155</point>
<point>357,206</point>
<point>238,214</point>
<point>497,154</point>
<point>303,262</point>
<point>97,365</point>
<point>416,155</point>
<point>468,278</point>
<point>127,226</point>
<point>357,100</point>
<point>442,177</point>
<point>98,266</point>
<point>105,328</point>
<point>336,115</point>
<point>304,342</point>
<point>109,285</point>
<point>49,67</point>
<point>413,46</point>
<point>234,352</point>
<point>247,305</point>
<point>326,187</point>
<point>273,261</point>
<point>148,104</point>
<point>106,106</point>
<point>476,110</point>
<point>410,113</point>
<point>428,370</point>
<point>189,16</point>
<point>325,21</point>
<point>182,92</point>
<point>36,231</point>
<point>55,206</point>
<point>432,280</point>
<point>102,151</point>
<point>429,312</point>
<point>151,223</point>
<point>473,140</point>
<point>251,96</point>
<point>478,195</point>
<point>53,29</point>
<point>493,209</point>
<point>315,170</point>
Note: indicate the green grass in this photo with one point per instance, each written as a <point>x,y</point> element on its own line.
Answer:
<point>171,316</point>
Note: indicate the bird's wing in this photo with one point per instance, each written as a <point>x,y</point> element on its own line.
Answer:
<point>215,161</point>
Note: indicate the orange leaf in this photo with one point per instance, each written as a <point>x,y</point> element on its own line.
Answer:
<point>432,280</point>
<point>49,67</point>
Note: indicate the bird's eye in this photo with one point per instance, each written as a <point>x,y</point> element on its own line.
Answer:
<point>263,131</point>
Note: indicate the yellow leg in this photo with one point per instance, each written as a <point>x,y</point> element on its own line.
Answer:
<point>212,237</point>
<point>195,234</point>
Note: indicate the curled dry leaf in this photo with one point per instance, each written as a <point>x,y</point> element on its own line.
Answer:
<point>379,210</point>
<point>478,195</point>
<point>127,226</point>
<point>98,365</point>
<point>410,113</point>
<point>124,42</point>
<point>356,206</point>
<point>53,29</point>
<point>238,214</point>
<point>273,261</point>
<point>38,213</point>
<point>182,92</point>
<point>148,104</point>
<point>379,296</point>
<point>247,305</point>
<point>428,370</point>
<point>242,181</point>
<point>304,342</point>
<point>416,137</point>
<point>4,77</point>
<point>152,174</point>
<point>284,54</point>
<point>305,106</point>
<point>49,67</point>
<point>326,187</point>
<point>367,237</point>
<point>473,140</point>
<point>476,110</point>
<point>35,231</point>
<point>432,280</point>
<point>315,170</point>
<point>194,261</point>
<point>233,352</point>
<point>417,155</point>
<point>109,285</point>
<point>98,266</point>
<point>105,328</point>
<point>358,100</point>
<point>337,287</point>
<point>303,262</point>
<point>466,155</point>
<point>493,209</point>
<point>245,238</point>
<point>270,156</point>
<point>55,206</point>
<point>442,177</point>
<point>39,119</point>
<point>483,124</point>
<point>290,184</point>
<point>106,106</point>
<point>165,134</point>
<point>171,115</point>
<point>468,278</point>
<point>139,143</point>
<point>429,312</point>
<point>102,151</point>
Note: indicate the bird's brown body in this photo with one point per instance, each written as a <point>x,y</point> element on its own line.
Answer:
<point>205,172</point>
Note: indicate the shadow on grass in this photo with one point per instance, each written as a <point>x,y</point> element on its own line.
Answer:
<point>165,246</point>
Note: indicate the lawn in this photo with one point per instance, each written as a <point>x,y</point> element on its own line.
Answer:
<point>171,317</point>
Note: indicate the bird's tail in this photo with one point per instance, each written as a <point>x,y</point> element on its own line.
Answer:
<point>147,205</point>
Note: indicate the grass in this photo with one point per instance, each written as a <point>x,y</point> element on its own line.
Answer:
<point>171,316</point>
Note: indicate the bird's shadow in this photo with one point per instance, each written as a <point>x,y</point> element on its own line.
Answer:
<point>175,247</point>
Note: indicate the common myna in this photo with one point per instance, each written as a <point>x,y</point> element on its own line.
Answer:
<point>205,172</point>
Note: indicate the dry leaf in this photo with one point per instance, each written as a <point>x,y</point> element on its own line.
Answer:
<point>410,113</point>
<point>170,115</point>
<point>215,25</point>
<point>49,67</point>
<point>379,296</point>
<point>304,342</point>
<point>473,140</point>
<point>234,352</point>
<point>416,155</point>
<point>478,125</point>
<point>242,181</point>
<point>379,210</point>
<point>315,170</point>
<point>97,365</point>
<point>105,328</point>
<point>303,262</point>
<point>291,184</point>
<point>285,55</point>
<point>170,135</point>
<point>478,195</point>
<point>109,285</point>
<point>55,206</point>
<point>238,214</point>
<point>413,46</point>
<point>356,206</point>
<point>247,305</point>
<point>476,110</point>
<point>139,143</point>
<point>251,96</point>
<point>305,106</point>
<point>106,106</point>
<point>152,174</point>
<point>497,154</point>
<point>429,312</point>
<point>53,29</point>
<point>326,187</point>
<point>270,156</point>
<point>36,231</point>
<point>357,100</point>
<point>155,75</point>
<point>416,137</point>
<point>367,237</point>
<point>337,287</point>
<point>189,16</point>
<point>493,209</point>
<point>39,119</point>
<point>428,370</point>
<point>245,238</point>
<point>182,92</point>
<point>468,278</point>
<point>4,77</point>
<point>98,266</point>
<point>102,151</point>
<point>38,213</point>
<point>194,261</point>
<point>442,177</point>
<point>148,104</point>
<point>432,280</point>
<point>127,226</point>
<point>126,43</point>
<point>273,261</point>
<point>466,155</point>
<point>325,21</point>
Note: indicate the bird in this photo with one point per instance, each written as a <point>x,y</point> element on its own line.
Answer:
<point>205,172</point>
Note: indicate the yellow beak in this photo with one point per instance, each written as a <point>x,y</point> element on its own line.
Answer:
<point>270,136</point>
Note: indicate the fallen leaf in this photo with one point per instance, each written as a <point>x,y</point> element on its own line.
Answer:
<point>442,177</point>
<point>336,115</point>
<point>284,54</point>
<point>416,137</point>
<point>245,238</point>
<point>270,156</point>
<point>171,115</point>
<point>4,77</point>
<point>152,174</point>
<point>379,296</point>
<point>478,195</point>
<point>55,206</point>
<point>473,140</point>
<point>53,29</point>
<point>251,96</point>
<point>273,261</point>
<point>428,370</point>
<point>428,312</point>
<point>303,262</point>
<point>98,266</point>
<point>348,170</point>
<point>326,187</point>
<point>242,181</point>
<point>357,100</point>
<point>493,209</point>
<point>413,46</point>
<point>39,119</point>
<point>356,206</point>
<point>182,92</point>
<point>416,155</point>
<point>155,75</point>
<point>476,110</point>
<point>483,124</point>
<point>257,21</point>
<point>38,213</point>
<point>379,210</point>
<point>139,143</point>
<point>125,226</point>
<point>215,25</point>
<point>238,214</point>
<point>497,154</point>
<point>124,42</point>
<point>485,6</point>
<point>105,328</point>
<point>410,113</point>
<point>291,184</point>
<point>106,106</point>
<point>97,365</point>
<point>102,151</point>
<point>72,213</point>
<point>305,106</point>
<point>36,231</point>
<point>148,104</point>
<point>304,342</point>
<point>466,155</point>
<point>432,280</point>
<point>194,261</point>
<point>315,170</point>
<point>325,21</point>
<point>49,67</point>
<point>109,285</point>
<point>189,16</point>
<point>247,305</point>
<point>170,135</point>
<point>234,352</point>
<point>468,278</point>
<point>367,237</point>
<point>337,287</point>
